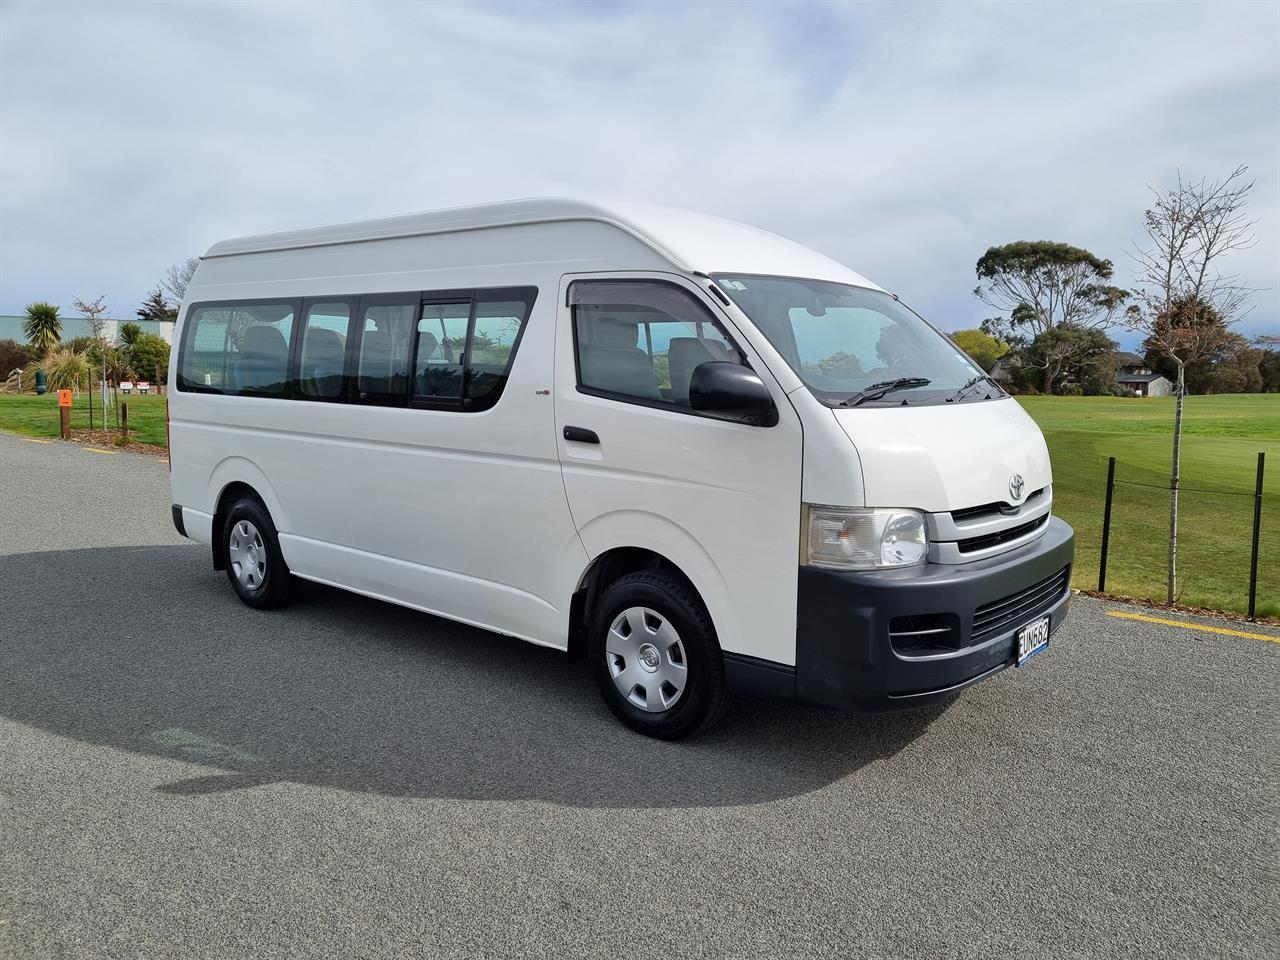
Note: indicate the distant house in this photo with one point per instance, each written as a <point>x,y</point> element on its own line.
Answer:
<point>1132,373</point>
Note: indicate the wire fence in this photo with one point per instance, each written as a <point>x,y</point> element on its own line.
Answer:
<point>1228,546</point>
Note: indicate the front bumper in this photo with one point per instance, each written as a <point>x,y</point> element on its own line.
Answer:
<point>845,657</point>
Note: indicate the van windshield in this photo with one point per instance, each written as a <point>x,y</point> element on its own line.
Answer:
<point>848,344</point>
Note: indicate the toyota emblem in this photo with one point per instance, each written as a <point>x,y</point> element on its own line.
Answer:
<point>1016,483</point>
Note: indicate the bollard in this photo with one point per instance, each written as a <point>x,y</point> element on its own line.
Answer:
<point>1257,530</point>
<point>1106,526</point>
<point>124,422</point>
<point>64,413</point>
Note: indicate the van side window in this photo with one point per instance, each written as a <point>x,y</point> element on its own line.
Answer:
<point>498,324</point>
<point>385,340</point>
<point>442,347</point>
<point>642,339</point>
<point>322,352</point>
<point>466,342</point>
<point>237,348</point>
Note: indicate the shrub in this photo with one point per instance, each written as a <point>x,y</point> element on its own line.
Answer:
<point>66,369</point>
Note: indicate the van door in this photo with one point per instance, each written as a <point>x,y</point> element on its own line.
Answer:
<point>718,498</point>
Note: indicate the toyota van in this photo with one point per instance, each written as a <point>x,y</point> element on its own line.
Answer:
<point>703,457</point>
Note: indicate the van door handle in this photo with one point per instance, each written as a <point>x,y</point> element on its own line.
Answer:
<point>580,435</point>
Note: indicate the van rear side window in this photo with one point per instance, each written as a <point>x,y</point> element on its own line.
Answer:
<point>241,349</point>
<point>440,349</point>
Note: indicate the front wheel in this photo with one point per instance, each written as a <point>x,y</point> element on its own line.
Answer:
<point>655,655</point>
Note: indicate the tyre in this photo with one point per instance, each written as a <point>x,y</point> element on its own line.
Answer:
<point>655,655</point>
<point>255,565</point>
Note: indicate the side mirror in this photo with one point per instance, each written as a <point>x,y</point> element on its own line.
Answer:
<point>732,391</point>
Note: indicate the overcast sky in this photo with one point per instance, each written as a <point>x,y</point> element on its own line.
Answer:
<point>902,140</point>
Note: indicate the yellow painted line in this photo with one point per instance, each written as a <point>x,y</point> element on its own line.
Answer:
<point>96,450</point>
<point>1193,626</point>
<point>34,440</point>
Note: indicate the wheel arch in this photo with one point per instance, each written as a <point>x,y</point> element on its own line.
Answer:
<point>606,568</point>
<point>230,493</point>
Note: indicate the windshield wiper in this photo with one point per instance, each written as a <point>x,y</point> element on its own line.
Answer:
<point>970,384</point>
<point>878,390</point>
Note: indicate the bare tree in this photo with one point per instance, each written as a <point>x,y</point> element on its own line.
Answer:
<point>95,314</point>
<point>1185,301</point>
<point>178,278</point>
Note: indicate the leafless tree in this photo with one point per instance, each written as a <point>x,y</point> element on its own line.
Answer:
<point>1185,301</point>
<point>178,278</point>
<point>95,314</point>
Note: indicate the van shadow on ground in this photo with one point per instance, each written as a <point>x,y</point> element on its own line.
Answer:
<point>147,649</point>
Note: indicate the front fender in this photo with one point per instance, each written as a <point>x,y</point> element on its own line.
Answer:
<point>651,531</point>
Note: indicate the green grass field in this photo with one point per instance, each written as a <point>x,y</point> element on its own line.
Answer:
<point>35,416</point>
<point>1220,444</point>
<point>1221,440</point>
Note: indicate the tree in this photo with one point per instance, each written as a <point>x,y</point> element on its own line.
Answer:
<point>95,314</point>
<point>1235,367</point>
<point>42,326</point>
<point>1070,355</point>
<point>129,333</point>
<point>1190,227</point>
<point>1044,285</point>
<point>149,357</point>
<point>178,278</point>
<point>1269,364</point>
<point>982,348</point>
<point>154,308</point>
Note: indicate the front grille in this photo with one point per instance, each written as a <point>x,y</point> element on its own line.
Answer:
<point>922,634</point>
<point>974,544</point>
<point>994,509</point>
<point>993,618</point>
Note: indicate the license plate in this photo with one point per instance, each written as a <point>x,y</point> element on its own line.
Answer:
<point>1032,638</point>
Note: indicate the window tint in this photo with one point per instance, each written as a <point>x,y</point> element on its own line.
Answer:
<point>383,371</point>
<point>442,344</point>
<point>644,339</point>
<point>240,348</point>
<point>443,349</point>
<point>322,353</point>
<point>497,328</point>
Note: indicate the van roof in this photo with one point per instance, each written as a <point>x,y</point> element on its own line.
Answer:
<point>692,242</point>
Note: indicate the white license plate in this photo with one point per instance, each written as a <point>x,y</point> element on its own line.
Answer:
<point>1031,639</point>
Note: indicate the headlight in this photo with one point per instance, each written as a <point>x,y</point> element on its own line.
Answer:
<point>854,538</point>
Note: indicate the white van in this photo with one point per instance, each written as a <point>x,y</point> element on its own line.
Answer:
<point>702,456</point>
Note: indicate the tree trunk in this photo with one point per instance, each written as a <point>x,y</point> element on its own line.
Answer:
<point>1174,476</point>
<point>1046,385</point>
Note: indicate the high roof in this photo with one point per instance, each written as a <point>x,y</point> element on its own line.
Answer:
<point>692,242</point>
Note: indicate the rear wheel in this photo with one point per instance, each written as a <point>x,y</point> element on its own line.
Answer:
<point>255,565</point>
<point>656,658</point>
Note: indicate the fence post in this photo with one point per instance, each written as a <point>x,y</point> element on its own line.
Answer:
<point>1257,530</point>
<point>1106,525</point>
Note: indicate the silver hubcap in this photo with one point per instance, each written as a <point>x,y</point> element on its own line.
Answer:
<point>646,659</point>
<point>247,555</point>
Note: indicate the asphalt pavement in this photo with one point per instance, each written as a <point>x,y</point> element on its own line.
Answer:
<point>181,776</point>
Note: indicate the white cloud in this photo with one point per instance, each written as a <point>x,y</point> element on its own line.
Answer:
<point>902,140</point>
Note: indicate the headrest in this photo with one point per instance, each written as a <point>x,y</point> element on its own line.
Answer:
<point>427,343</point>
<point>615,334</point>
<point>323,343</point>
<point>264,340</point>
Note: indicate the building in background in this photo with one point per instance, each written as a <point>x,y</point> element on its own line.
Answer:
<point>76,326</point>
<point>1132,373</point>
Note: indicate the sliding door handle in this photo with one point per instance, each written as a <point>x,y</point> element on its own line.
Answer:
<point>580,435</point>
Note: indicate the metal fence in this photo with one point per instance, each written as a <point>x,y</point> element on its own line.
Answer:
<point>1226,558</point>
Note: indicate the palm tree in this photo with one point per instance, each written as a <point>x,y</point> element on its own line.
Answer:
<point>129,334</point>
<point>43,326</point>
